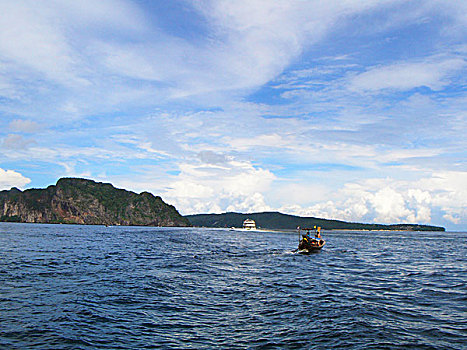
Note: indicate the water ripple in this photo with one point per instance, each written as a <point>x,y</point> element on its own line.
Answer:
<point>85,287</point>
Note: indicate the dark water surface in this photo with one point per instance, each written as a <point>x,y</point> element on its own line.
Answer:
<point>91,287</point>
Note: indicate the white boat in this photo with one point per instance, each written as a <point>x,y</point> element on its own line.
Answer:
<point>249,224</point>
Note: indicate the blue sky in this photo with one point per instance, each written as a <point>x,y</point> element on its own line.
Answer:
<point>351,110</point>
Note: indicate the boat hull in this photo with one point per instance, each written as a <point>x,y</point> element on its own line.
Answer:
<point>310,246</point>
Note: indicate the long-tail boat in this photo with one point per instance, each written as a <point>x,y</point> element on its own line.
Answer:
<point>308,244</point>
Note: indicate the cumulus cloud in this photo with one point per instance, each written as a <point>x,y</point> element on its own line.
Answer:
<point>11,178</point>
<point>395,201</point>
<point>234,186</point>
<point>389,206</point>
<point>250,203</point>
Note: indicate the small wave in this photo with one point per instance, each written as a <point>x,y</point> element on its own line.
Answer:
<point>141,288</point>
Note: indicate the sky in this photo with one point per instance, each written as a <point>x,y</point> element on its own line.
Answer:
<point>350,109</point>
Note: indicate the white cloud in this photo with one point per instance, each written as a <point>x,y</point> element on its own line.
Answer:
<point>104,13</point>
<point>79,44</point>
<point>248,44</point>
<point>298,192</point>
<point>233,186</point>
<point>35,36</point>
<point>454,218</point>
<point>11,178</point>
<point>37,43</point>
<point>449,193</point>
<point>260,38</point>
<point>251,203</point>
<point>211,157</point>
<point>386,200</point>
<point>247,179</point>
<point>397,155</point>
<point>141,144</point>
<point>406,76</point>
<point>271,140</point>
<point>192,190</point>
<point>389,206</point>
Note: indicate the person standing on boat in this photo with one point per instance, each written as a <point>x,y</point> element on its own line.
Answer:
<point>318,233</point>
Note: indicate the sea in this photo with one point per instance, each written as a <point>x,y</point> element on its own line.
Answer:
<point>97,287</point>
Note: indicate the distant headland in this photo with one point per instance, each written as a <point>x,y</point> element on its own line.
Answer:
<point>279,221</point>
<point>81,201</point>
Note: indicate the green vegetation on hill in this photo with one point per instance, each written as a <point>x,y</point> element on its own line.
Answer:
<point>81,201</point>
<point>279,221</point>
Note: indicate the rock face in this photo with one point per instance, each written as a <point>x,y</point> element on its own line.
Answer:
<point>81,201</point>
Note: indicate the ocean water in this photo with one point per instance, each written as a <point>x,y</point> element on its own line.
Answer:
<point>95,287</point>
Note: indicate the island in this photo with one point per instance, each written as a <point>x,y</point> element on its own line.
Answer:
<point>87,202</point>
<point>82,201</point>
<point>279,221</point>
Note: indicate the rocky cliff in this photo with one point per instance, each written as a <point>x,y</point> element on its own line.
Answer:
<point>81,201</point>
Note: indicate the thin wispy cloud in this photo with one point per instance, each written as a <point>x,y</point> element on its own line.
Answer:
<point>433,74</point>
